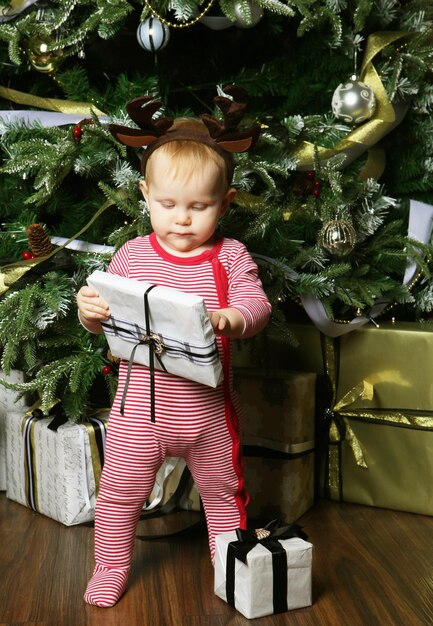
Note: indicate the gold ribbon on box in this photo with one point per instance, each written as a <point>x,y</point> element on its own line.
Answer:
<point>385,117</point>
<point>339,414</point>
<point>95,428</point>
<point>96,431</point>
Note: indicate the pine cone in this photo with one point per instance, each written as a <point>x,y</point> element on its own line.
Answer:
<point>39,241</point>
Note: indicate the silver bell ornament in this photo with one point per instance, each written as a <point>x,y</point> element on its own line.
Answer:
<point>353,102</point>
<point>247,18</point>
<point>153,35</point>
<point>338,237</point>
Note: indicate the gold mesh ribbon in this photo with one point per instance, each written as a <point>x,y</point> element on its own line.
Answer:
<point>339,427</point>
<point>16,4</point>
<point>49,104</point>
<point>369,133</point>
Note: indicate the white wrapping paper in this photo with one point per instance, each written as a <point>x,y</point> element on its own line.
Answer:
<point>179,320</point>
<point>8,403</point>
<point>253,580</point>
<point>63,468</point>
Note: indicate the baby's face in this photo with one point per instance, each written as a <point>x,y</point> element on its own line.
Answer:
<point>184,212</point>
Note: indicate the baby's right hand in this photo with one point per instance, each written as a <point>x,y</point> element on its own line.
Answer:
<point>91,306</point>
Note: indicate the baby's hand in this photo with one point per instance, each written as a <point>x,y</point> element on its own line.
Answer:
<point>220,322</point>
<point>91,306</point>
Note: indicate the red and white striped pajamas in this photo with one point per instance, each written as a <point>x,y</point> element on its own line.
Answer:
<point>193,421</point>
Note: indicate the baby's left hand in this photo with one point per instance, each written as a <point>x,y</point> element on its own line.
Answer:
<point>219,322</point>
<point>227,322</point>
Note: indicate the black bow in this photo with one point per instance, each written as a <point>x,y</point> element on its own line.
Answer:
<point>268,536</point>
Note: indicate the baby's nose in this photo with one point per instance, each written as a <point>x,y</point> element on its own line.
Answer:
<point>183,217</point>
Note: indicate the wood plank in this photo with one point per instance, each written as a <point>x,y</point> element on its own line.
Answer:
<point>370,566</point>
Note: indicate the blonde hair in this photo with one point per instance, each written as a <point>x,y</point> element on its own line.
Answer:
<point>187,157</point>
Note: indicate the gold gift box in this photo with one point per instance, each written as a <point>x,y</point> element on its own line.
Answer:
<point>396,467</point>
<point>380,414</point>
<point>395,358</point>
<point>277,417</point>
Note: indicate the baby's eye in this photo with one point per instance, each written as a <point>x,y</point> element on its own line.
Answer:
<point>167,205</point>
<point>199,207</point>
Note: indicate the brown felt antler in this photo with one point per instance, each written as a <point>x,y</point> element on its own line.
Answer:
<point>226,134</point>
<point>223,137</point>
<point>141,111</point>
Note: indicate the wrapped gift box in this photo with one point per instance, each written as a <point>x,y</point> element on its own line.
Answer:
<point>381,419</point>
<point>278,441</point>
<point>395,470</point>
<point>55,472</point>
<point>388,357</point>
<point>8,402</point>
<point>179,329</point>
<point>395,359</point>
<point>378,439</point>
<point>253,592</point>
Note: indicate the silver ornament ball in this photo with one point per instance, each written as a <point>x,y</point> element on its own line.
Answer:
<point>249,18</point>
<point>353,102</point>
<point>338,237</point>
<point>153,35</point>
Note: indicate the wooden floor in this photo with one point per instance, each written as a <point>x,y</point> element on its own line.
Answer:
<point>371,567</point>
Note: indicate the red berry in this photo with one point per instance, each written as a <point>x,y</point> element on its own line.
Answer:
<point>27,255</point>
<point>310,174</point>
<point>78,132</point>
<point>106,370</point>
<point>316,192</point>
<point>317,183</point>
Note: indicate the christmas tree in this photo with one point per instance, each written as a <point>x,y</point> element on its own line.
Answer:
<point>333,201</point>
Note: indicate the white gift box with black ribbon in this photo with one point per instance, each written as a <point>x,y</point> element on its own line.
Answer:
<point>261,573</point>
<point>159,327</point>
<point>53,466</point>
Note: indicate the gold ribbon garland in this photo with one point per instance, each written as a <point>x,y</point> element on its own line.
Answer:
<point>14,271</point>
<point>369,133</point>
<point>49,104</point>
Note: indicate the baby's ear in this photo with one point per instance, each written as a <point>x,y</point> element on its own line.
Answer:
<point>228,197</point>
<point>143,188</point>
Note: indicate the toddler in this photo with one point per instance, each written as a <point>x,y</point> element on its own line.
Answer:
<point>187,169</point>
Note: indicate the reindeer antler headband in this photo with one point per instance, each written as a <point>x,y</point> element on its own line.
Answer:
<point>225,138</point>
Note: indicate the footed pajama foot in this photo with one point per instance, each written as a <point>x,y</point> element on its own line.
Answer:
<point>106,585</point>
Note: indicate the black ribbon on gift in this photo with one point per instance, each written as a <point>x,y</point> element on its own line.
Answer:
<point>156,347</point>
<point>269,538</point>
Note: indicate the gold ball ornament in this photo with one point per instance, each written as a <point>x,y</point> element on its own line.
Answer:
<point>338,237</point>
<point>42,59</point>
<point>353,102</point>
